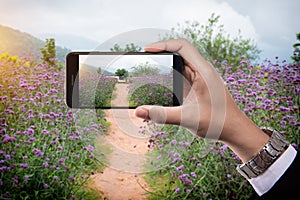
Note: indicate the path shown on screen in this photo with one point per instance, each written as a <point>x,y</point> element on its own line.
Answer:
<point>121,91</point>
<point>120,180</point>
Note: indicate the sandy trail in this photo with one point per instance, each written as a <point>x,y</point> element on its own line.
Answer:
<point>121,179</point>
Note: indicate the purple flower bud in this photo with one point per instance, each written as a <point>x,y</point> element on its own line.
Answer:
<point>193,174</point>
<point>173,142</point>
<point>72,179</point>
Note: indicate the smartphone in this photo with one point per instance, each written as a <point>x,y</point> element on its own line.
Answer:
<point>123,79</point>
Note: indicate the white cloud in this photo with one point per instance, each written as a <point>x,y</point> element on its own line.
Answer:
<point>100,20</point>
<point>264,21</point>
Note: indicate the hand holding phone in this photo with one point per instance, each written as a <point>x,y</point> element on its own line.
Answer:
<point>123,80</point>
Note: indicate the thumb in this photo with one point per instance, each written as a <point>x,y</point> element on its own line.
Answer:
<point>160,114</point>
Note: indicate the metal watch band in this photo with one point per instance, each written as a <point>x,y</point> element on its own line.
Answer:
<point>267,155</point>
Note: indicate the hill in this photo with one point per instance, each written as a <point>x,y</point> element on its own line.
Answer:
<point>90,68</point>
<point>18,43</point>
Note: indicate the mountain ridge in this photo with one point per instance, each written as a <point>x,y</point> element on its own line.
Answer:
<point>16,42</point>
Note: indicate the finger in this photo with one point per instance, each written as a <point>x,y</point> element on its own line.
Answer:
<point>182,46</point>
<point>160,114</point>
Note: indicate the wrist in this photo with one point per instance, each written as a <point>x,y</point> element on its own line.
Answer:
<point>244,138</point>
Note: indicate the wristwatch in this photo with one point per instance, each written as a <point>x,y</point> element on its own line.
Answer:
<point>267,155</point>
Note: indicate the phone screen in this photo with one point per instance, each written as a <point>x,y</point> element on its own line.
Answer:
<point>126,81</point>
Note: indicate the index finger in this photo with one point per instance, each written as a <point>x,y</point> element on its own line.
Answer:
<point>182,46</point>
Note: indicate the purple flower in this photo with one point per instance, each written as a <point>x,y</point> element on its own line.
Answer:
<point>60,161</point>
<point>177,190</point>
<point>7,139</point>
<point>46,186</point>
<point>177,159</point>
<point>242,81</point>
<point>46,164</point>
<point>294,145</point>
<point>38,152</point>
<point>26,177</point>
<point>180,167</point>
<point>24,165</point>
<point>7,157</point>
<point>187,190</point>
<point>55,177</point>
<point>187,181</point>
<point>224,147</point>
<point>230,79</point>
<point>90,148</point>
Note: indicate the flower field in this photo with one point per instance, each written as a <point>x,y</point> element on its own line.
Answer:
<point>95,90</point>
<point>192,169</point>
<point>151,90</point>
<point>47,151</point>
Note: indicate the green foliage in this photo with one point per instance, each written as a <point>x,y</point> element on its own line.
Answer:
<point>151,94</point>
<point>122,73</point>
<point>193,170</point>
<point>144,70</point>
<point>49,52</point>
<point>214,43</point>
<point>296,54</point>
<point>128,48</point>
<point>99,70</point>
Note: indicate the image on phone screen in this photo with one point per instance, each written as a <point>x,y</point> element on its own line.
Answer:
<point>126,81</point>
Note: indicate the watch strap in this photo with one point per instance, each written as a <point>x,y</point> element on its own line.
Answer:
<point>266,156</point>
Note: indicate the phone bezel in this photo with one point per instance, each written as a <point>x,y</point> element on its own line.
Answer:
<point>72,83</point>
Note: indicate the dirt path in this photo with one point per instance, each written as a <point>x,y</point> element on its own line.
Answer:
<point>122,93</point>
<point>121,179</point>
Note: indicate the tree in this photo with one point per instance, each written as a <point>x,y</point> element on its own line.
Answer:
<point>296,53</point>
<point>214,43</point>
<point>49,52</point>
<point>128,48</point>
<point>99,70</point>
<point>122,73</point>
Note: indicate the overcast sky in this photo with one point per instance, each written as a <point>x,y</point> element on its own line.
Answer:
<point>84,24</point>
<point>113,62</point>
